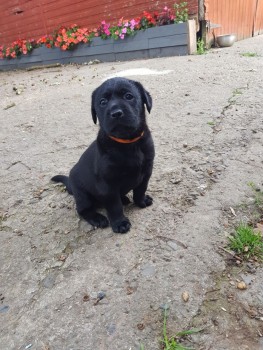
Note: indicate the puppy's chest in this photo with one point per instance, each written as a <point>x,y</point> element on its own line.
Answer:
<point>128,164</point>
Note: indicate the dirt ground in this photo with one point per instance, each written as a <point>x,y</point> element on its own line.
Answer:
<point>207,125</point>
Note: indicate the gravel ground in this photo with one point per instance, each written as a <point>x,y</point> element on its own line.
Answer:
<point>207,125</point>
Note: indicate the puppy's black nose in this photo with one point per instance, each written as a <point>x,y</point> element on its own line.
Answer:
<point>117,114</point>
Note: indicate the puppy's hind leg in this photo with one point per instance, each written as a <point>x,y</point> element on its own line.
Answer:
<point>86,209</point>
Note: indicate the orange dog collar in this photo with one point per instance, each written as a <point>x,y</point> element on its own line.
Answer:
<point>127,140</point>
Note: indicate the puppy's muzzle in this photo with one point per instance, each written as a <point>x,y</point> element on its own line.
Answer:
<point>117,114</point>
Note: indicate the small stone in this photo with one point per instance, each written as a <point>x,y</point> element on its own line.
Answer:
<point>57,263</point>
<point>18,232</point>
<point>185,296</point>
<point>28,346</point>
<point>4,309</point>
<point>175,181</point>
<point>96,61</point>
<point>241,285</point>
<point>172,245</point>
<point>101,295</point>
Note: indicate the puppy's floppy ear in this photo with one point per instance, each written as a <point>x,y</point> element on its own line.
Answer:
<point>93,110</point>
<point>146,97</point>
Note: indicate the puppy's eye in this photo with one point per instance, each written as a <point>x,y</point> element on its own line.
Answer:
<point>103,101</point>
<point>128,96</point>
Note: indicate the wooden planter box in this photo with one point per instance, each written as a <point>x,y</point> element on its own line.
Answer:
<point>171,40</point>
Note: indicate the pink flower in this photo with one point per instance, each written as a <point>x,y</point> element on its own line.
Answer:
<point>121,36</point>
<point>124,31</point>
<point>133,23</point>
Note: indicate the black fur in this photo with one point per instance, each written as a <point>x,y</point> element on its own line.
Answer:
<point>108,170</point>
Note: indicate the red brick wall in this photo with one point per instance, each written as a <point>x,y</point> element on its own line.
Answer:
<point>26,19</point>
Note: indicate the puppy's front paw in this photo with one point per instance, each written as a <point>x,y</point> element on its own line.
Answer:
<point>145,202</point>
<point>99,220</point>
<point>121,226</point>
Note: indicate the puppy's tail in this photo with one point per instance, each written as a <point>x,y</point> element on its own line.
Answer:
<point>65,180</point>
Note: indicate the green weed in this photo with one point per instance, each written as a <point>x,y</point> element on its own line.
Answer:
<point>200,47</point>
<point>211,123</point>
<point>249,54</point>
<point>172,343</point>
<point>237,92</point>
<point>181,12</point>
<point>246,242</point>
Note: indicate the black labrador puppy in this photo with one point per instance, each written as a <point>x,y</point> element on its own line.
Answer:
<point>119,160</point>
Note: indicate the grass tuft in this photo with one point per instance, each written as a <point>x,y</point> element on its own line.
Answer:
<point>172,343</point>
<point>247,243</point>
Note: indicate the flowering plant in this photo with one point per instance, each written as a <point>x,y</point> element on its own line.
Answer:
<point>124,28</point>
<point>47,40</point>
<point>17,48</point>
<point>67,38</point>
<point>147,20</point>
<point>165,17</point>
<point>103,30</point>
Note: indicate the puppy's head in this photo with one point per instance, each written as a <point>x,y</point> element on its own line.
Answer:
<point>119,105</point>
